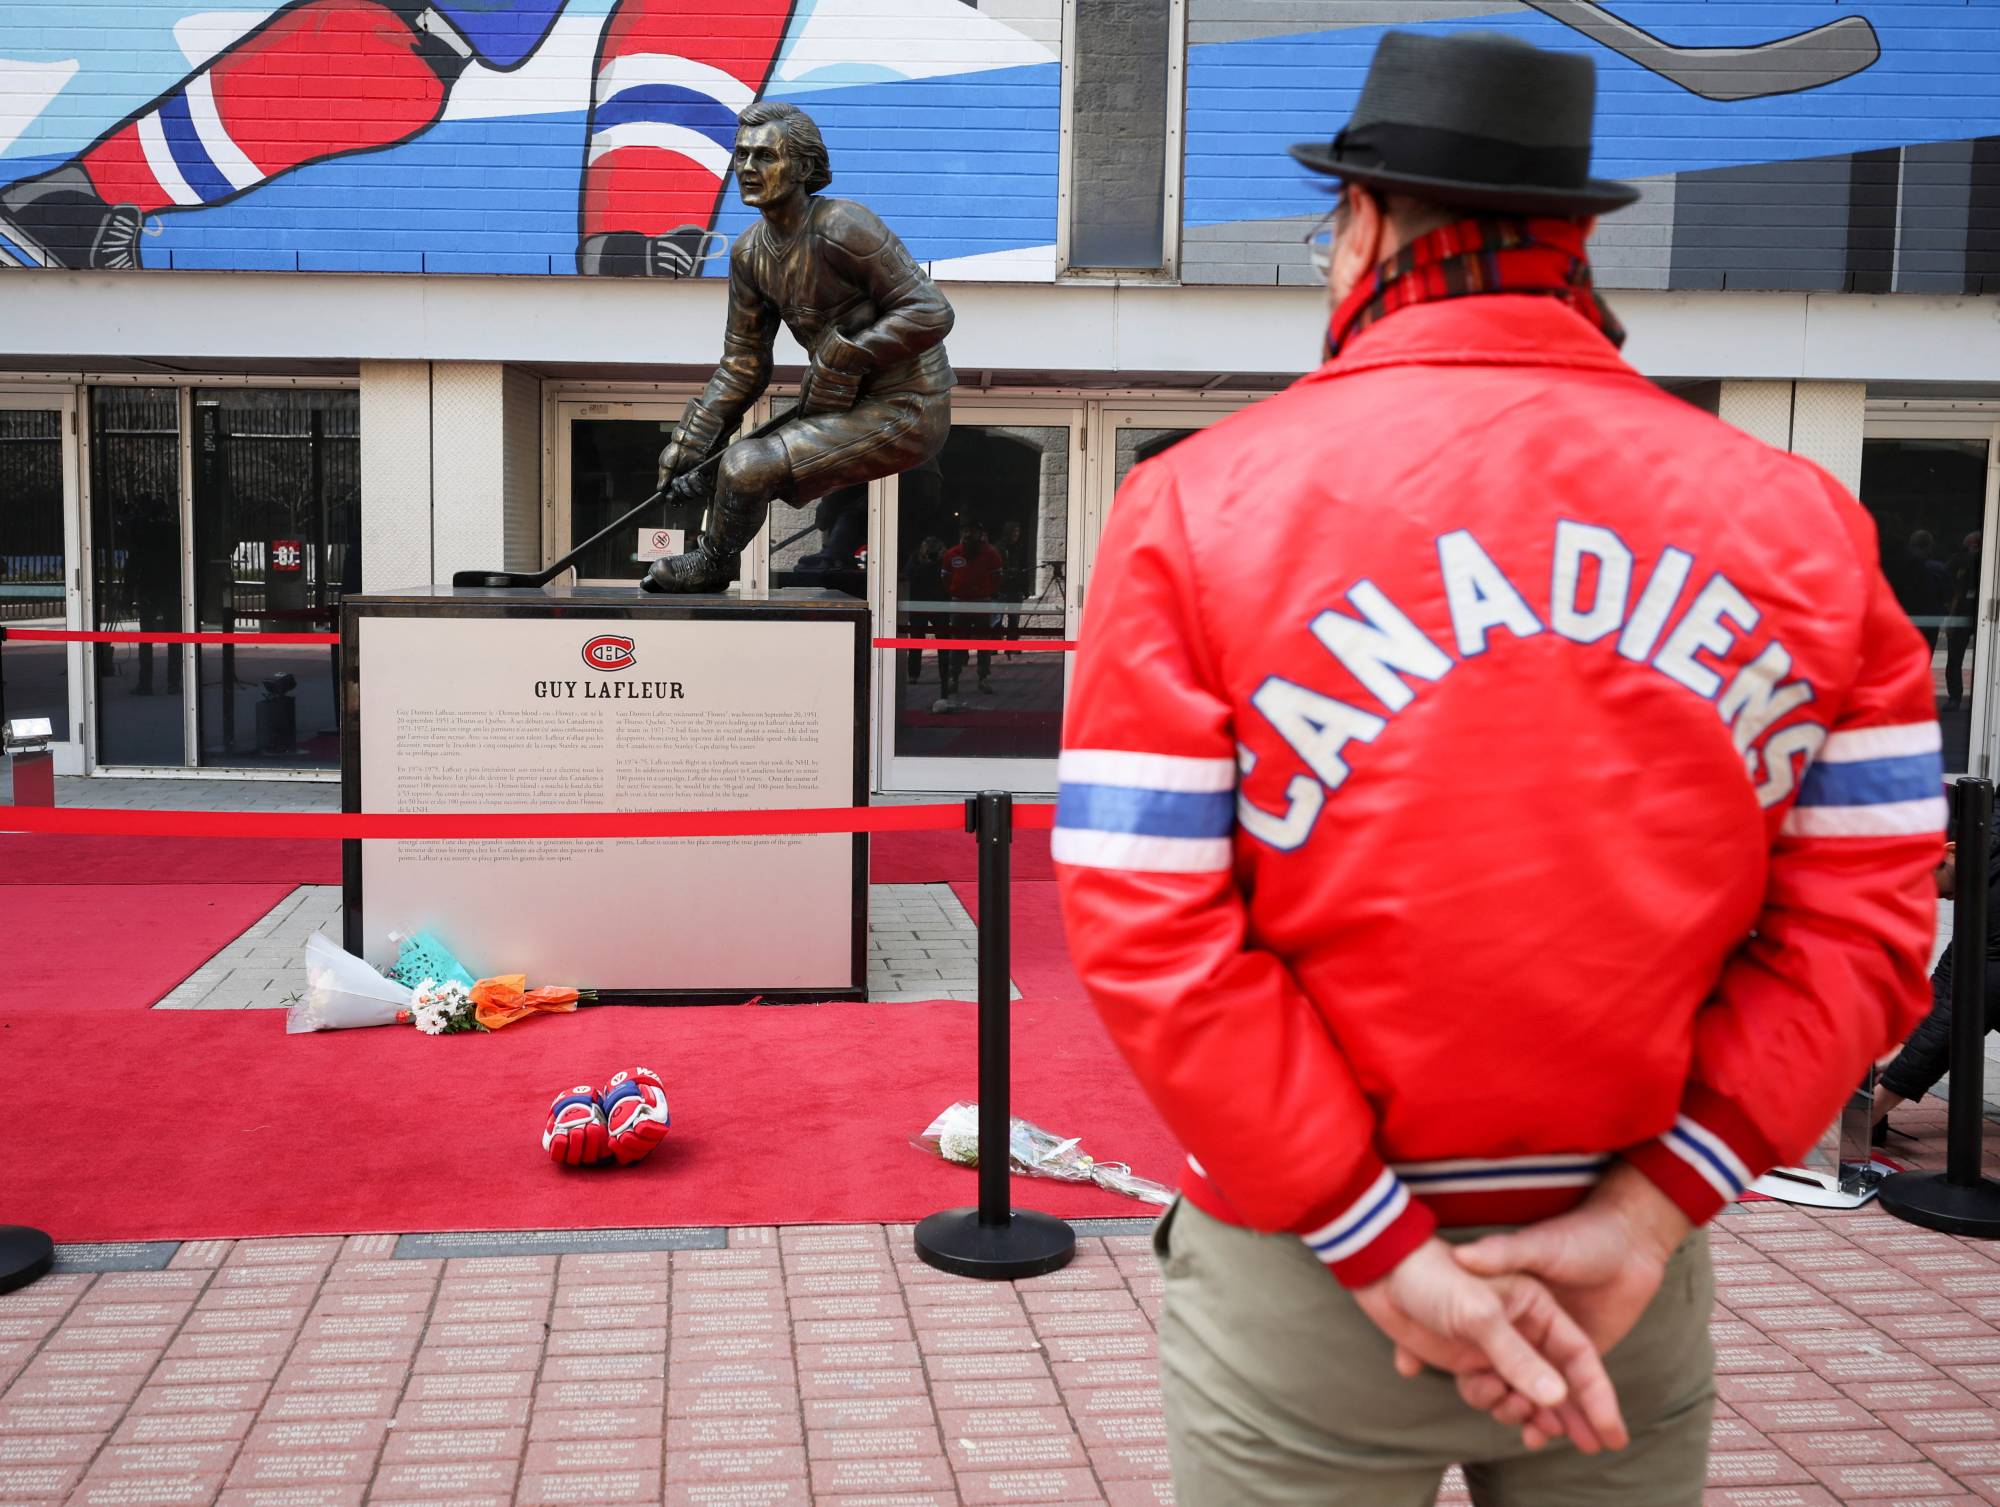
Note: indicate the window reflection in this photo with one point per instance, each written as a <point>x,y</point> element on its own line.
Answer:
<point>1928,498</point>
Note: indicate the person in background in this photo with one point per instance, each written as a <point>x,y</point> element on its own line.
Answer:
<point>1017,577</point>
<point>972,578</point>
<point>1409,864</point>
<point>1925,1057</point>
<point>1961,611</point>
<point>923,579</point>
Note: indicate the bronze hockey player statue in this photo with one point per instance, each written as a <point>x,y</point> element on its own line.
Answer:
<point>877,395</point>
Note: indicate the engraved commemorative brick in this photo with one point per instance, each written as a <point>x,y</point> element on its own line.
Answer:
<point>737,1462</point>
<point>714,1402</point>
<point>324,1494</point>
<point>318,1434</point>
<point>726,1432</point>
<point>734,1255</point>
<point>991,1423</point>
<point>455,1444</point>
<point>145,1491</point>
<point>613,1266</point>
<point>193,1457</point>
<point>606,1294</point>
<point>1944,1423</point>
<point>338,1377</point>
<point>731,1371</point>
<point>609,1316</point>
<point>873,1444</point>
<point>605,1341</point>
<point>1848,1482</point>
<point>365,1402</point>
<point>464,1412</point>
<point>594,1423</point>
<point>1810,1413</point>
<point>57,1418</point>
<point>790,1492</point>
<point>547,1489</point>
<point>836,1477</point>
<point>730,1347</point>
<point>183,1428</point>
<point>1088,1347</point>
<point>725,1278</point>
<point>1124,1462</point>
<point>865,1412</point>
<point>1033,1451</point>
<point>990,1488</point>
<point>1754,1467</point>
<point>475,1384</point>
<point>443,1336</point>
<point>626,1367</point>
<point>375,1300</point>
<point>460,1360</point>
<point>281,1320</point>
<point>500,1266</point>
<point>600,1394</point>
<point>443,1478</point>
<point>568,1456</point>
<point>902,1381</point>
<point>1124,1372</point>
<point>848,1308</point>
<point>74,1390</point>
<point>724,1325</point>
<point>831,1284</point>
<point>211,1370</point>
<point>47,1449</point>
<point>301,1467</point>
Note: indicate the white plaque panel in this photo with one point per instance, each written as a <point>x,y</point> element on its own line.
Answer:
<point>569,713</point>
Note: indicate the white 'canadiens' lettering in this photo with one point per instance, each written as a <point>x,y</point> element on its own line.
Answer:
<point>1574,541</point>
<point>1760,695</point>
<point>1317,727</point>
<point>1375,649</point>
<point>1480,595</point>
<point>1702,629</point>
<point>1800,740</point>
<point>1656,604</point>
<point>1385,651</point>
<point>1305,798</point>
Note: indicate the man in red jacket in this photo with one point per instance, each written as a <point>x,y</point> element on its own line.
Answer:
<point>1497,799</point>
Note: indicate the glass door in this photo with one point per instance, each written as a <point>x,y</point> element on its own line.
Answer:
<point>607,459</point>
<point>981,541</point>
<point>276,489</point>
<point>1120,438</point>
<point>1931,490</point>
<point>39,586</point>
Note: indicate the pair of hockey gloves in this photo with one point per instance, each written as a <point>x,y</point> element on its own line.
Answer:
<point>622,1122</point>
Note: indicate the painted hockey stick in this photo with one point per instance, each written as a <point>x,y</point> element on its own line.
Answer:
<point>1788,65</point>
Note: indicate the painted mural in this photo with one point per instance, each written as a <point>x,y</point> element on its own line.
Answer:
<point>592,136</point>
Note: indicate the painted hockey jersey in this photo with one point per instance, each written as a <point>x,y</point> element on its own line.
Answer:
<point>1481,765</point>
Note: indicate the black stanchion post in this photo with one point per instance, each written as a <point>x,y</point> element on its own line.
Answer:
<point>1959,1200</point>
<point>994,1241</point>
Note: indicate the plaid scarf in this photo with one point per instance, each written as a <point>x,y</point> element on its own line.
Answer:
<point>1479,255</point>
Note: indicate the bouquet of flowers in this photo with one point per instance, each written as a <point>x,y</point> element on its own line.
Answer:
<point>1034,1152</point>
<point>442,1009</point>
<point>342,992</point>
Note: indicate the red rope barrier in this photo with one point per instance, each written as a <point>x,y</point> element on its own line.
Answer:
<point>69,636</point>
<point>798,821</point>
<point>1025,645</point>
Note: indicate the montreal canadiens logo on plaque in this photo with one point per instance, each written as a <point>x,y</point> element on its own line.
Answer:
<point>609,651</point>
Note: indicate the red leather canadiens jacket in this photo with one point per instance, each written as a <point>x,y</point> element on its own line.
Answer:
<point>1482,765</point>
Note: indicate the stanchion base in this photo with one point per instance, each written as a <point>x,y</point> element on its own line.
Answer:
<point>1027,1245</point>
<point>24,1255</point>
<point>1925,1198</point>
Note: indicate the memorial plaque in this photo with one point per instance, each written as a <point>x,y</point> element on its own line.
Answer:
<point>564,1242</point>
<point>1089,1228</point>
<point>582,700</point>
<point>115,1256</point>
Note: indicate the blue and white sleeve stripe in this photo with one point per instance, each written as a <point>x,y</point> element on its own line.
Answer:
<point>1368,1216</point>
<point>1873,782</point>
<point>1145,812</point>
<point>1709,1155</point>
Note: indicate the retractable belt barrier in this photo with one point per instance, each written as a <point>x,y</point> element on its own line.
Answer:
<point>108,636</point>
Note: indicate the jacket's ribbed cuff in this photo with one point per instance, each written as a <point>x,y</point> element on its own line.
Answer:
<point>1709,1157</point>
<point>1373,1226</point>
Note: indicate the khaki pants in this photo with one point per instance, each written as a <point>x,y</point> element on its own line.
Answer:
<point>1279,1390</point>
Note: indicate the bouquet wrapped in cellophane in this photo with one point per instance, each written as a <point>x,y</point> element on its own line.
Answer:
<point>1034,1152</point>
<point>343,992</point>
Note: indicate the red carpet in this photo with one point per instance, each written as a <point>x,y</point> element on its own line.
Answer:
<point>944,857</point>
<point>1041,965</point>
<point>224,1126</point>
<point>35,858</point>
<point>96,947</point>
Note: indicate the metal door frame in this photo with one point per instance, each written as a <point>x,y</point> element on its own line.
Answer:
<point>912,774</point>
<point>565,406</point>
<point>69,754</point>
<point>1106,419</point>
<point>1979,421</point>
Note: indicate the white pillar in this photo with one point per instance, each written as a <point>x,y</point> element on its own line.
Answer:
<point>396,550</point>
<point>451,470</point>
<point>1827,423</point>
<point>1760,409</point>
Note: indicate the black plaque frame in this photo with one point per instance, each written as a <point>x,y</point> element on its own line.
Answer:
<point>610,604</point>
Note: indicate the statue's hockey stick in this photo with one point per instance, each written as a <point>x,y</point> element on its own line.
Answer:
<point>1810,60</point>
<point>684,487</point>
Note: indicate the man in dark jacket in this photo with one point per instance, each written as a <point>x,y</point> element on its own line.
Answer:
<point>1927,1053</point>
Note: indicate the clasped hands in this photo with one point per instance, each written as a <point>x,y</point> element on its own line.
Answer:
<point>1523,1320</point>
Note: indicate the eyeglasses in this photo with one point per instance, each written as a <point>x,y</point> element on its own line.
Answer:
<point>1319,240</point>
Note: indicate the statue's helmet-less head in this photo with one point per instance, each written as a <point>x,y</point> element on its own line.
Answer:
<point>778,148</point>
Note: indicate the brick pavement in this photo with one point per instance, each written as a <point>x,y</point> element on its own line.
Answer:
<point>1859,1361</point>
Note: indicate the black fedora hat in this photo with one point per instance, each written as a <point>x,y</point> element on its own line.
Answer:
<point>1474,118</point>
